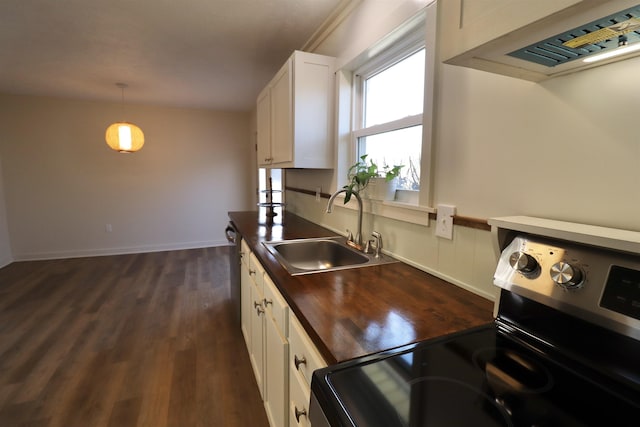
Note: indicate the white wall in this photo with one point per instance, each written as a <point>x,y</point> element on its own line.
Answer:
<point>565,149</point>
<point>63,184</point>
<point>6,256</point>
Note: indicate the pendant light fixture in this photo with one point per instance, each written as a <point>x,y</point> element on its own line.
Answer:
<point>124,137</point>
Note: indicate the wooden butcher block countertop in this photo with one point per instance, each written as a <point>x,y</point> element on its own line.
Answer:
<point>359,311</point>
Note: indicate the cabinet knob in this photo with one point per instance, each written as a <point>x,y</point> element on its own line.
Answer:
<point>267,302</point>
<point>252,272</point>
<point>299,413</point>
<point>257,304</point>
<point>297,362</point>
<point>259,310</point>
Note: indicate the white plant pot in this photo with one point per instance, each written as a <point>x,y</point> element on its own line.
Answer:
<point>380,189</point>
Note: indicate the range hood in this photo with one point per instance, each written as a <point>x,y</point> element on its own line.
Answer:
<point>553,45</point>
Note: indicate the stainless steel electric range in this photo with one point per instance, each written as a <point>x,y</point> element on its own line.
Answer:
<point>564,349</point>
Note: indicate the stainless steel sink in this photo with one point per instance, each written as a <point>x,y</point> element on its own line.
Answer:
<point>306,256</point>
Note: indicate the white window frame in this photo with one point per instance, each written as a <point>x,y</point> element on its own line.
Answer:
<point>402,43</point>
<point>412,44</point>
<point>421,27</point>
<point>404,48</point>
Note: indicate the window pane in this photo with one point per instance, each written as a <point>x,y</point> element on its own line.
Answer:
<point>276,185</point>
<point>398,147</point>
<point>264,175</point>
<point>396,92</point>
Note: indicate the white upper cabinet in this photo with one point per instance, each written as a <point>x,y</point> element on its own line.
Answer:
<point>524,38</point>
<point>295,114</point>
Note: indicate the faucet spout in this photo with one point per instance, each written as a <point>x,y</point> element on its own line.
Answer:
<point>358,238</point>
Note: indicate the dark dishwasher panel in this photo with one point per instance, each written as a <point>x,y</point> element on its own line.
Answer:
<point>234,238</point>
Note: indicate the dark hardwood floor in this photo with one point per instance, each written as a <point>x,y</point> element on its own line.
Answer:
<point>118,341</point>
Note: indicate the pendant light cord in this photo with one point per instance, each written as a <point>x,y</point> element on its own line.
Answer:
<point>122,87</point>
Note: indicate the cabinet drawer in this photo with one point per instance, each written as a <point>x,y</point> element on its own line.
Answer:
<point>299,396</point>
<point>304,358</point>
<point>276,306</point>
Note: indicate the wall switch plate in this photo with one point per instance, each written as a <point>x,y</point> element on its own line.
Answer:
<point>444,221</point>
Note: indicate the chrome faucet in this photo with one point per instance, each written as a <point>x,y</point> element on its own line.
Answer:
<point>357,241</point>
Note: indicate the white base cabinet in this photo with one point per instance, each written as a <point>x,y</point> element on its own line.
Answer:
<point>257,345</point>
<point>282,355</point>
<point>245,294</point>
<point>276,396</point>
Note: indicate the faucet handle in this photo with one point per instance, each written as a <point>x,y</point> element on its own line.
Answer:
<point>349,236</point>
<point>378,242</point>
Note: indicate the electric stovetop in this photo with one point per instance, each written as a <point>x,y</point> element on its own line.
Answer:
<point>478,378</point>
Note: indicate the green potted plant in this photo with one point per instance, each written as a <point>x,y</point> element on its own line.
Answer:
<point>362,173</point>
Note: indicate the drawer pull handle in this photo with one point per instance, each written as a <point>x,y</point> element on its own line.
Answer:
<point>267,302</point>
<point>299,413</point>
<point>257,304</point>
<point>259,310</point>
<point>298,362</point>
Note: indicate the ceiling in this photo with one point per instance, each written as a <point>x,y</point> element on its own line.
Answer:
<point>214,54</point>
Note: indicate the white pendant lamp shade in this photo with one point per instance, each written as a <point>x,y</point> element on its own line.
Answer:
<point>124,137</point>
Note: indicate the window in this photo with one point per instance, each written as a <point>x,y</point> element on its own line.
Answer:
<point>270,195</point>
<point>388,111</point>
<point>270,186</point>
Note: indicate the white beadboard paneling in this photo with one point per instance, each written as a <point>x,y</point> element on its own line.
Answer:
<point>484,263</point>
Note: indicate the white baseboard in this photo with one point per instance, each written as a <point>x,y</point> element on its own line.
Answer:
<point>5,261</point>
<point>83,253</point>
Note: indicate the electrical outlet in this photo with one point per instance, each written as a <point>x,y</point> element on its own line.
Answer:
<point>444,221</point>
<point>108,228</point>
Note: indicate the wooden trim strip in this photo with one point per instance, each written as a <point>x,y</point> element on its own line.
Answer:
<point>477,223</point>
<point>308,192</point>
<point>462,221</point>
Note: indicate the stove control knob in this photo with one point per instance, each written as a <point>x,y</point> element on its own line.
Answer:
<point>566,275</point>
<point>524,263</point>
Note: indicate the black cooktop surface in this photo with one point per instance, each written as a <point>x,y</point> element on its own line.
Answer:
<point>479,378</point>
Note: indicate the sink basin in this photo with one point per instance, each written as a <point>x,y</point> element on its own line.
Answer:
<point>305,256</point>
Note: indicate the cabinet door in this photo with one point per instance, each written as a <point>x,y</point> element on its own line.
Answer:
<point>257,337</point>
<point>276,374</point>
<point>313,95</point>
<point>263,119</point>
<point>281,112</point>
<point>469,24</point>
<point>246,304</point>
